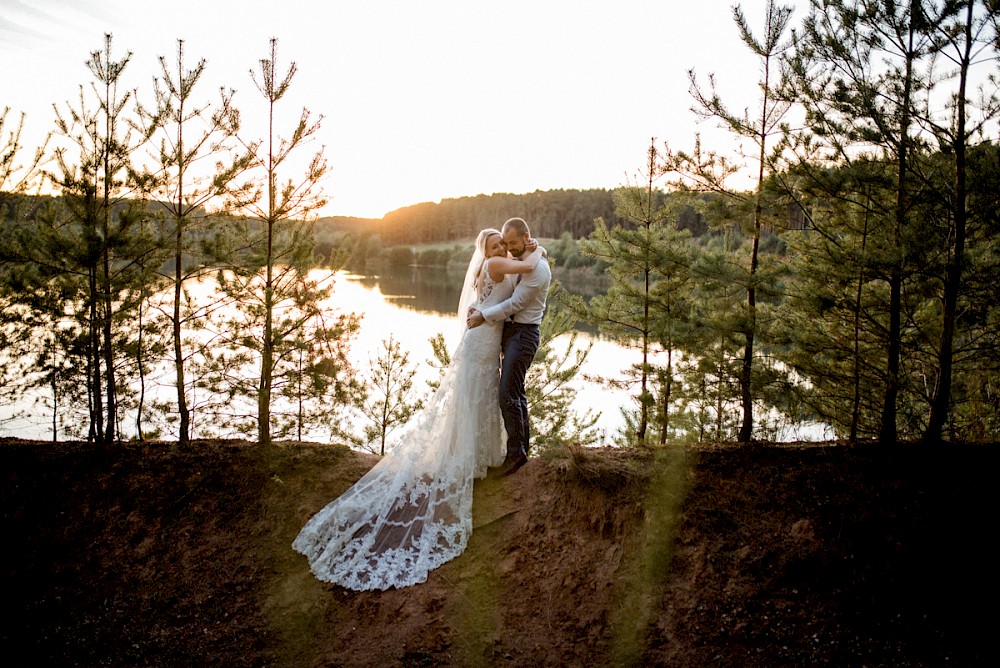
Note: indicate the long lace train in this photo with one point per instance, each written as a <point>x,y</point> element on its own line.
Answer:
<point>412,511</point>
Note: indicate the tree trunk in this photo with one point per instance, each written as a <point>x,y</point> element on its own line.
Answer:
<point>184,435</point>
<point>141,369</point>
<point>266,362</point>
<point>55,394</point>
<point>106,323</point>
<point>667,391</point>
<point>856,403</point>
<point>746,370</point>
<point>94,360</point>
<point>109,357</point>
<point>888,431</point>
<point>267,350</point>
<point>299,396</point>
<point>953,277</point>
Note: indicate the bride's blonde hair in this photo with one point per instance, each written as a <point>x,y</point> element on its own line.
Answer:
<point>483,237</point>
<point>480,254</point>
<point>472,274</point>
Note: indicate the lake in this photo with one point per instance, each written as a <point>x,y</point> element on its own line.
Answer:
<point>412,305</point>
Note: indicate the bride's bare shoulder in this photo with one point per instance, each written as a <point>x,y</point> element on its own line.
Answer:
<point>494,269</point>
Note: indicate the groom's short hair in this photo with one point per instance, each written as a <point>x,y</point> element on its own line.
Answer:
<point>517,224</point>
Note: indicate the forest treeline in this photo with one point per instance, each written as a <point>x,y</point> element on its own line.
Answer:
<point>552,213</point>
<point>853,283</point>
<point>436,233</point>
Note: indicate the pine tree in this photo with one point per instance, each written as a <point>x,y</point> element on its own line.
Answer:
<point>709,172</point>
<point>966,32</point>
<point>16,178</point>
<point>268,256</point>
<point>43,345</point>
<point>318,379</point>
<point>861,74</point>
<point>190,133</point>
<point>387,399</point>
<point>549,384</point>
<point>673,329</point>
<point>975,412</point>
<point>96,178</point>
<point>720,318</point>
<point>833,321</point>
<point>638,256</point>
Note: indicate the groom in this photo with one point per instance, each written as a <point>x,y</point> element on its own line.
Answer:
<point>522,315</point>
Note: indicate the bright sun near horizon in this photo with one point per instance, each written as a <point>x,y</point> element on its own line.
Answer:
<point>419,101</point>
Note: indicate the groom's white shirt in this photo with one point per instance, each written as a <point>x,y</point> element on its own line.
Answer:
<point>527,304</point>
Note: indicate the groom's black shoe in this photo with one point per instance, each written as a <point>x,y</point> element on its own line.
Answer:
<point>511,464</point>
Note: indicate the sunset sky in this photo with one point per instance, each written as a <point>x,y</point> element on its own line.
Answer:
<point>421,100</point>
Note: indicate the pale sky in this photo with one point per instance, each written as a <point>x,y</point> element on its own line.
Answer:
<point>421,99</point>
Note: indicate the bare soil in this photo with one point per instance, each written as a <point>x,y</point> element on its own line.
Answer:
<point>761,555</point>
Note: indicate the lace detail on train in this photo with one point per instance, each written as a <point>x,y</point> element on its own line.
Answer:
<point>412,511</point>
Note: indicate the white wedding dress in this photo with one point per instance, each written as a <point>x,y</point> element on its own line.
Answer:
<point>412,511</point>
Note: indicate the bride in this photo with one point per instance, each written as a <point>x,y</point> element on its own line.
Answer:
<point>412,511</point>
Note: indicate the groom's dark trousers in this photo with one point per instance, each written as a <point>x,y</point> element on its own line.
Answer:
<point>519,344</point>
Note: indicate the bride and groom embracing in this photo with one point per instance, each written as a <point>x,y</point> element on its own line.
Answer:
<point>412,511</point>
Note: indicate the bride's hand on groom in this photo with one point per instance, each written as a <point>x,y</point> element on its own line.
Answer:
<point>531,244</point>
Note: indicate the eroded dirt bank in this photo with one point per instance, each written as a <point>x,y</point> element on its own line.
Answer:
<point>752,556</point>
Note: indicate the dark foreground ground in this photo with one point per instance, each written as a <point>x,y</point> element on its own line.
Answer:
<point>725,556</point>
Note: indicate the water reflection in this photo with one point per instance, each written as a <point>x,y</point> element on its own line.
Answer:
<point>426,289</point>
<point>430,289</point>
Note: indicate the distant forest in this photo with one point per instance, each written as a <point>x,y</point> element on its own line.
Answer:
<point>549,213</point>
